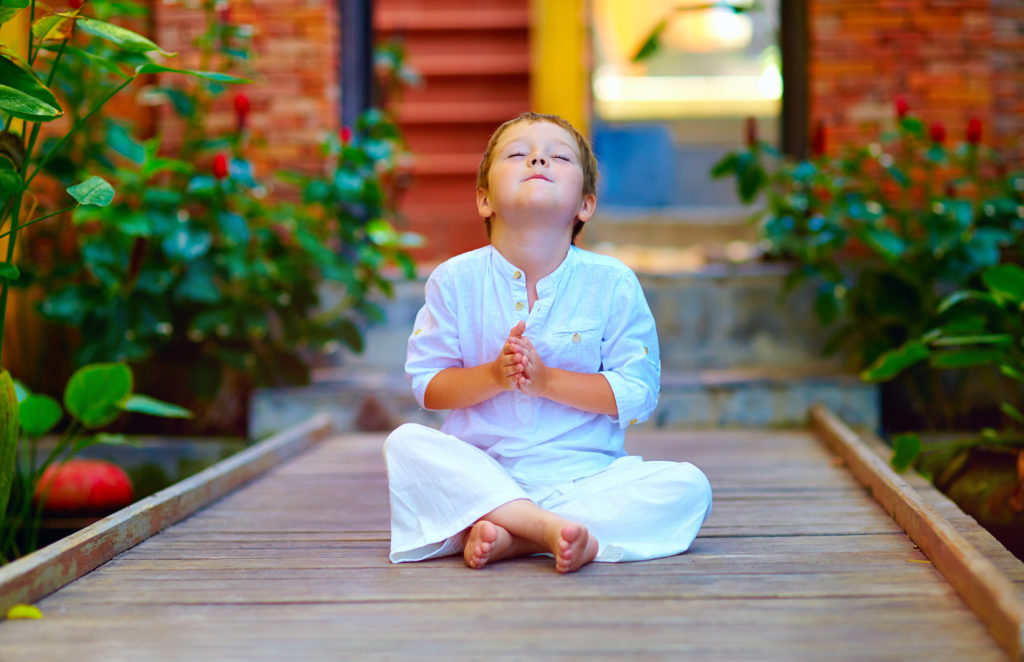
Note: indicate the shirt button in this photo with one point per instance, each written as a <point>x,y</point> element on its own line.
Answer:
<point>575,337</point>
<point>632,421</point>
<point>645,349</point>
<point>517,275</point>
<point>519,305</point>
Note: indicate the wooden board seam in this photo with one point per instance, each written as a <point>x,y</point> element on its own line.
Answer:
<point>36,575</point>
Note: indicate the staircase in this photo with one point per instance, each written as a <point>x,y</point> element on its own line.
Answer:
<point>733,355</point>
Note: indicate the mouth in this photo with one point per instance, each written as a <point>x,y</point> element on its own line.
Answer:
<point>540,177</point>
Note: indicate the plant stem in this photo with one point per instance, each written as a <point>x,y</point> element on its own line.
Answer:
<point>36,220</point>
<point>14,214</point>
<point>79,123</point>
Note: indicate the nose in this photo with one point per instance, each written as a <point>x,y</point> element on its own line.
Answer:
<point>537,159</point>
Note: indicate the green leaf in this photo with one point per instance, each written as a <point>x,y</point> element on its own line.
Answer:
<point>826,306</point>
<point>22,94</point>
<point>102,438</point>
<point>895,361</point>
<point>94,393</point>
<point>975,339</point>
<point>9,271</point>
<point>143,404</point>
<point>26,107</point>
<point>95,192</point>
<point>9,8</point>
<point>153,68</point>
<point>1012,412</point>
<point>886,243</point>
<point>1011,372</point>
<point>38,414</point>
<point>102,62</point>
<point>122,37</point>
<point>1006,281</point>
<point>906,448</point>
<point>725,166</point>
<point>965,295</point>
<point>52,27</point>
<point>964,358</point>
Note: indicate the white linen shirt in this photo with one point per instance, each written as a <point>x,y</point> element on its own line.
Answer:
<point>590,316</point>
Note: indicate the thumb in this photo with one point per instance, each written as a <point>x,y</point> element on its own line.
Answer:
<point>518,329</point>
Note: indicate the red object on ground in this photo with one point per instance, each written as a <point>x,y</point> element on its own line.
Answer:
<point>85,486</point>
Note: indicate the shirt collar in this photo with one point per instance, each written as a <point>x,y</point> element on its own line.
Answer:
<point>551,281</point>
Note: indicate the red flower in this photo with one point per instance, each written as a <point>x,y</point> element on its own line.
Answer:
<point>220,165</point>
<point>224,13</point>
<point>75,4</point>
<point>750,128</point>
<point>938,133</point>
<point>819,139</point>
<point>345,134</point>
<point>902,107</point>
<point>241,110</point>
<point>974,131</point>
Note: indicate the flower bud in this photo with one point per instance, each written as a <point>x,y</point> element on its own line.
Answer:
<point>819,139</point>
<point>241,110</point>
<point>902,107</point>
<point>220,165</point>
<point>750,130</point>
<point>938,133</point>
<point>345,134</point>
<point>974,131</point>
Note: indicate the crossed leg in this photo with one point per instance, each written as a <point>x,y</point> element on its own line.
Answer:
<point>522,527</point>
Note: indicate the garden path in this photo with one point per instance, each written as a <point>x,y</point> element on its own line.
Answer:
<point>796,562</point>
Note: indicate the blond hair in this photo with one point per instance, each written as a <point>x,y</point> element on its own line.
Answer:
<point>587,160</point>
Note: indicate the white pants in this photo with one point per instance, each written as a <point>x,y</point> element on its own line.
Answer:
<point>441,485</point>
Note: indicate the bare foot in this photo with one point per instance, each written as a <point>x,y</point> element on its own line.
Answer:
<point>485,542</point>
<point>574,548</point>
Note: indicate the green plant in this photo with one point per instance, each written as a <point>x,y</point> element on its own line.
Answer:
<point>883,231</point>
<point>27,103</point>
<point>196,269</point>
<point>974,328</point>
<point>94,398</point>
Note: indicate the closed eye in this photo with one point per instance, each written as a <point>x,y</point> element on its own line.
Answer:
<point>515,154</point>
<point>563,157</point>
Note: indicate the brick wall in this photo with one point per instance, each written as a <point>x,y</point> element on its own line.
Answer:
<point>294,96</point>
<point>950,59</point>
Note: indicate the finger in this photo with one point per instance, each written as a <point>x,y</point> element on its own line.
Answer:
<point>517,330</point>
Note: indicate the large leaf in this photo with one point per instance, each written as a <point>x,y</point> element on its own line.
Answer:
<point>8,9</point>
<point>123,37</point>
<point>53,27</point>
<point>217,77</point>
<point>95,192</point>
<point>38,414</point>
<point>95,392</point>
<point>143,404</point>
<point>9,271</point>
<point>886,243</point>
<point>10,180</point>
<point>22,94</point>
<point>964,358</point>
<point>975,339</point>
<point>895,361</point>
<point>906,448</point>
<point>1006,281</point>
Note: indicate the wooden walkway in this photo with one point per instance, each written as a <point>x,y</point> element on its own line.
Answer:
<point>797,562</point>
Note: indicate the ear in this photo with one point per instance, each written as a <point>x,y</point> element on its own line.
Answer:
<point>587,206</point>
<point>483,204</point>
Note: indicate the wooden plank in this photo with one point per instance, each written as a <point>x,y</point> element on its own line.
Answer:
<point>988,592</point>
<point>797,565</point>
<point>36,575</point>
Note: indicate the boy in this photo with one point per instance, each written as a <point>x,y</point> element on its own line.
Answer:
<point>544,353</point>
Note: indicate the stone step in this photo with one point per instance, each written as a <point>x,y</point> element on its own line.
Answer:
<point>748,398</point>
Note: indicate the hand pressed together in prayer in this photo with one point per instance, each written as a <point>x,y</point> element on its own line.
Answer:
<point>521,365</point>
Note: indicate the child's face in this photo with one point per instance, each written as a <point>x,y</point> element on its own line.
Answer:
<point>536,172</point>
